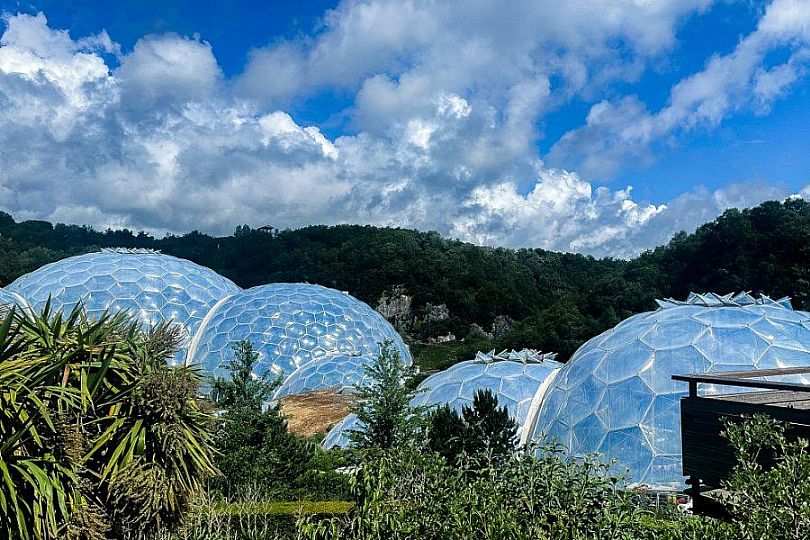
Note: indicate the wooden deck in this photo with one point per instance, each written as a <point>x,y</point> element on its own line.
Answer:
<point>708,459</point>
<point>777,398</point>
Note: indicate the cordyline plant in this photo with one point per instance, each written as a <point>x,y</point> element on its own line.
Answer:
<point>99,436</point>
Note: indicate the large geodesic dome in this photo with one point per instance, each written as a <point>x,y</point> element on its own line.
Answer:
<point>150,285</point>
<point>517,378</point>
<point>513,377</point>
<point>291,324</point>
<point>616,395</point>
<point>341,372</point>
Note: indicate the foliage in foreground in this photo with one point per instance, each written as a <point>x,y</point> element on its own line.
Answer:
<point>412,493</point>
<point>251,519</point>
<point>99,437</point>
<point>769,502</point>
<point>408,493</point>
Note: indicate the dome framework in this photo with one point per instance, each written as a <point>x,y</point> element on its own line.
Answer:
<point>152,286</point>
<point>616,396</point>
<point>290,325</point>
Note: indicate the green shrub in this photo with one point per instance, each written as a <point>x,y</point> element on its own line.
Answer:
<point>253,519</point>
<point>482,431</point>
<point>409,493</point>
<point>769,502</point>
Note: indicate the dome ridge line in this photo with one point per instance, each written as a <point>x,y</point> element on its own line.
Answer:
<point>710,299</point>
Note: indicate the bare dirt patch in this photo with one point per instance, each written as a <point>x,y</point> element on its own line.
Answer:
<point>311,413</point>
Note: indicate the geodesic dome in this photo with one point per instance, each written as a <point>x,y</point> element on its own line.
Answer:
<point>291,324</point>
<point>150,285</point>
<point>513,377</point>
<point>615,396</point>
<point>338,436</point>
<point>339,371</point>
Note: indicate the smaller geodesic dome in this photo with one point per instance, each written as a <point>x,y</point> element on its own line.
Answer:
<point>338,436</point>
<point>290,325</point>
<point>341,372</point>
<point>152,286</point>
<point>517,378</point>
<point>513,377</point>
<point>616,396</point>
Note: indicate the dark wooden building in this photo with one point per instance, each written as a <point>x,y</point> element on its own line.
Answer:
<point>708,458</point>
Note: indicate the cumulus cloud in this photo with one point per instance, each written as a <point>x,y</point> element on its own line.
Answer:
<point>488,45</point>
<point>444,124</point>
<point>618,131</point>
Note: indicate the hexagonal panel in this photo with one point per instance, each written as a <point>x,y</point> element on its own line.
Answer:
<point>673,334</point>
<point>629,401</point>
<point>732,346</point>
<point>291,325</point>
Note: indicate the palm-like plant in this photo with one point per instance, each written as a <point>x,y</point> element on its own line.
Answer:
<point>37,488</point>
<point>88,409</point>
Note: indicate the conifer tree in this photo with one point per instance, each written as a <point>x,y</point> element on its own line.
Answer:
<point>446,433</point>
<point>256,449</point>
<point>383,406</point>
<point>481,430</point>
<point>488,427</point>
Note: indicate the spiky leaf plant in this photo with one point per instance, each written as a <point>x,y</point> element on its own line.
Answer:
<point>89,407</point>
<point>37,489</point>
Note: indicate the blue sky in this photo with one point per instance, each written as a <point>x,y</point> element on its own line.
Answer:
<point>595,126</point>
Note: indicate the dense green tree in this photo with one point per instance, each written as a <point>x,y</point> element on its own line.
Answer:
<point>383,407</point>
<point>483,430</point>
<point>445,433</point>
<point>256,450</point>
<point>559,299</point>
<point>243,387</point>
<point>488,428</point>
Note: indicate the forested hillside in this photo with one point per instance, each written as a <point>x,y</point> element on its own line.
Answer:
<point>558,300</point>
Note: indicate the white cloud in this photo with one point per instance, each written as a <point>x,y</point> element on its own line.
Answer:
<point>167,69</point>
<point>619,131</point>
<point>446,104</point>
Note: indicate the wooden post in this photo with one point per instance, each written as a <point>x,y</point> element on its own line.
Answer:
<point>694,492</point>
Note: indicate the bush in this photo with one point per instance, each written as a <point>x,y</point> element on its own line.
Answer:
<point>481,431</point>
<point>253,520</point>
<point>407,493</point>
<point>769,502</point>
